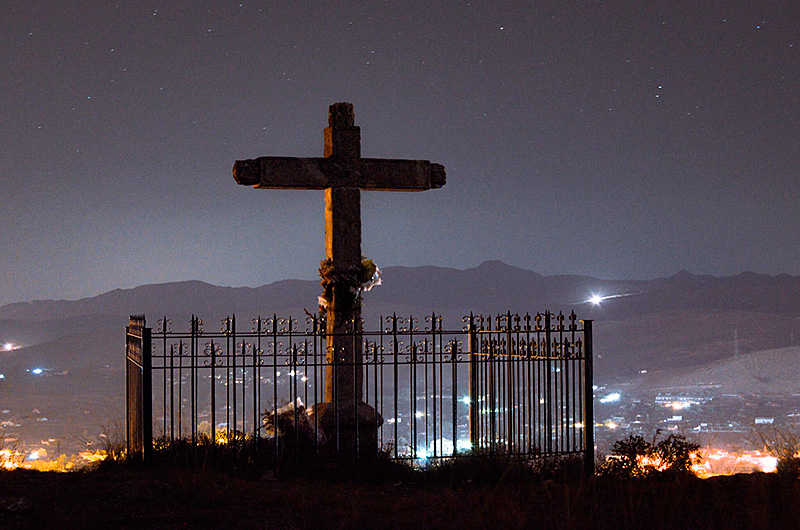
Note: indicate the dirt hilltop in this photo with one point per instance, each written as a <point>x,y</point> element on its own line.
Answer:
<point>122,498</point>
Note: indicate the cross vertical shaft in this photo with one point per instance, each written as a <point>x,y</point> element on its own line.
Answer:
<point>343,248</point>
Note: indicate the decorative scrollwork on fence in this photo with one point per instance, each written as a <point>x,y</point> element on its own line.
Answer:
<point>164,325</point>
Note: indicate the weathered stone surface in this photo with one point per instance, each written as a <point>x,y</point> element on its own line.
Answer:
<point>343,226</point>
<point>363,415</point>
<point>353,427</point>
<point>372,174</point>
<point>343,143</point>
<point>341,115</point>
<point>247,172</point>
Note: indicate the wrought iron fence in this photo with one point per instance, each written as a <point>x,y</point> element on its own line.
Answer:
<point>510,384</point>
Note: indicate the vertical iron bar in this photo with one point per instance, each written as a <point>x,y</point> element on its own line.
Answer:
<point>493,405</point>
<point>548,383</point>
<point>180,389</point>
<point>213,395</point>
<point>562,397</point>
<point>316,362</point>
<point>454,392</point>
<point>275,386</point>
<point>164,378</point>
<point>358,374</point>
<point>172,392</point>
<point>231,345</point>
<point>510,445</point>
<point>588,399</point>
<point>430,365</point>
<point>380,385</point>
<point>472,351</point>
<point>193,377</point>
<point>256,386</point>
<point>147,393</point>
<point>395,347</point>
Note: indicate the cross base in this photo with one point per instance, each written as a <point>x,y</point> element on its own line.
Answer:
<point>352,430</point>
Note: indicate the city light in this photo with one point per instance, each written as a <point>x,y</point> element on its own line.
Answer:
<point>463,445</point>
<point>611,398</point>
<point>8,346</point>
<point>722,462</point>
<point>37,460</point>
<point>37,454</point>
<point>37,371</point>
<point>678,405</point>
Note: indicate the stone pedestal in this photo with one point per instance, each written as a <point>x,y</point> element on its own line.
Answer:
<point>351,429</point>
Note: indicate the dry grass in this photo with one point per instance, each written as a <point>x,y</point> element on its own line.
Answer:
<point>476,493</point>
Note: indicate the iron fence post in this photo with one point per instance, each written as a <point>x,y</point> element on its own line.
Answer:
<point>472,341</point>
<point>588,397</point>
<point>548,376</point>
<point>133,378</point>
<point>139,384</point>
<point>147,393</point>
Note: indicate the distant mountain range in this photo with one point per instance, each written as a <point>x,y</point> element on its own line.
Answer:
<point>680,330</point>
<point>681,320</point>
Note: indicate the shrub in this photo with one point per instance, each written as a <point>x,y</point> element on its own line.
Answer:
<point>784,446</point>
<point>636,457</point>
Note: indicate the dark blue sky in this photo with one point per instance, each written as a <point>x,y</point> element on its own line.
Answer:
<point>613,139</point>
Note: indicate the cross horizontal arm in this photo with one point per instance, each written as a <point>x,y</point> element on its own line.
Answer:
<point>278,172</point>
<point>400,175</point>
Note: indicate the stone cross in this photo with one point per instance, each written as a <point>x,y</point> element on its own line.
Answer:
<point>342,173</point>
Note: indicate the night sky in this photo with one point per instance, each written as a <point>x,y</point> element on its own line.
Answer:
<point>612,139</point>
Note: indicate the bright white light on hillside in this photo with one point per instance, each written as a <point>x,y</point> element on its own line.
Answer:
<point>597,299</point>
<point>8,346</point>
<point>37,371</point>
<point>611,398</point>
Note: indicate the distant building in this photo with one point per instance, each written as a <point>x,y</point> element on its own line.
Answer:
<point>678,401</point>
